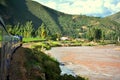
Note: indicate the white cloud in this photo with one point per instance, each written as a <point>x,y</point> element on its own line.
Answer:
<point>86,7</point>
<point>51,4</point>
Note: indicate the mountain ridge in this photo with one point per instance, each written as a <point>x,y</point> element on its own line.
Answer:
<point>115,17</point>
<point>21,11</point>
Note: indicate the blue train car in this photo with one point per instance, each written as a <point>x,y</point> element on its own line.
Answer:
<point>8,44</point>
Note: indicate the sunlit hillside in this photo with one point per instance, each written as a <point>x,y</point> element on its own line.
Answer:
<point>115,17</point>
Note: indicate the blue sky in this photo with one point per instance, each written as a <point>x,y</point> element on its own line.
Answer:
<point>99,8</point>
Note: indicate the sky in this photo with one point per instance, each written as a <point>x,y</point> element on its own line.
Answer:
<point>97,8</point>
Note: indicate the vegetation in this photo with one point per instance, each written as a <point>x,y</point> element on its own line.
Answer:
<point>115,17</point>
<point>31,19</point>
<point>26,40</point>
<point>36,22</point>
<point>42,32</point>
<point>42,67</point>
<point>92,33</point>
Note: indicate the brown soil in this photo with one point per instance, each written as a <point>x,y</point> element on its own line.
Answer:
<point>17,69</point>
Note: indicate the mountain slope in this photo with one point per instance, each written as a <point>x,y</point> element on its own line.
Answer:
<point>115,17</point>
<point>42,12</point>
<point>27,10</point>
<point>17,11</point>
<point>21,11</point>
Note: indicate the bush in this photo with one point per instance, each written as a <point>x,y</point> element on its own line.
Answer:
<point>70,77</point>
<point>38,63</point>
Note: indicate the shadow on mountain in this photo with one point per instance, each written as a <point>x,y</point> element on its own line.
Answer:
<point>54,15</point>
<point>14,11</point>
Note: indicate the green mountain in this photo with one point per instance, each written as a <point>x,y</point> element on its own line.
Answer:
<point>21,11</point>
<point>115,17</point>
<point>15,11</point>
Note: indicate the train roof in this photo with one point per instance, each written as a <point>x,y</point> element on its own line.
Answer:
<point>3,24</point>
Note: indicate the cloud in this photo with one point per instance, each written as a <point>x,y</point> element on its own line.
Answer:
<point>51,4</point>
<point>99,8</point>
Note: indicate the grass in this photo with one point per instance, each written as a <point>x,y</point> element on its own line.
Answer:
<point>25,40</point>
<point>38,59</point>
<point>52,43</point>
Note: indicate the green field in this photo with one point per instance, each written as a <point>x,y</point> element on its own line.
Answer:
<point>32,39</point>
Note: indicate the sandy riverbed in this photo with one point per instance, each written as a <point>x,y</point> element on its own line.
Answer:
<point>96,63</point>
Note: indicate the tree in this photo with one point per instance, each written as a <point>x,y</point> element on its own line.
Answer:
<point>97,34</point>
<point>103,35</point>
<point>9,28</point>
<point>41,32</point>
<point>28,29</point>
<point>56,36</point>
<point>94,34</point>
<point>14,29</point>
<point>21,28</point>
<point>89,34</point>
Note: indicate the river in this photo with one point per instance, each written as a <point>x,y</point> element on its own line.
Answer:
<point>96,63</point>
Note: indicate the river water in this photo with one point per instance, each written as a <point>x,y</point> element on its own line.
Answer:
<point>96,63</point>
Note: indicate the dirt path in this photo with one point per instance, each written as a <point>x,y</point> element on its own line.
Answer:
<point>17,70</point>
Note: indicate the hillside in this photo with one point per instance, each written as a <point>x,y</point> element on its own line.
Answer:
<point>115,17</point>
<point>21,11</point>
<point>31,64</point>
<point>27,10</point>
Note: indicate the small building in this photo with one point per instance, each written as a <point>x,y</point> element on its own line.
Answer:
<point>64,38</point>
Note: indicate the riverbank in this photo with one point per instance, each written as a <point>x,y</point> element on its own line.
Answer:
<point>30,63</point>
<point>94,62</point>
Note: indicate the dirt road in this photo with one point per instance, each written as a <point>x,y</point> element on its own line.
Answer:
<point>17,70</point>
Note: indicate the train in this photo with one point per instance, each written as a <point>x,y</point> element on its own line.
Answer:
<point>8,45</point>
